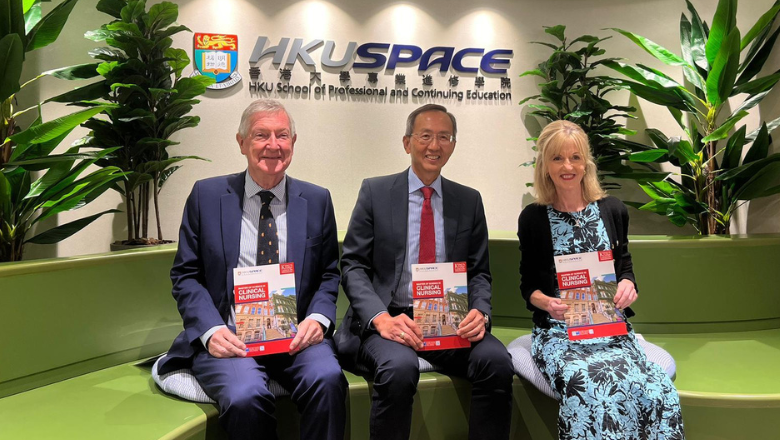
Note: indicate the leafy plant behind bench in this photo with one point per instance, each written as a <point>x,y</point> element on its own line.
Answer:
<point>718,62</point>
<point>25,200</point>
<point>572,91</point>
<point>142,77</point>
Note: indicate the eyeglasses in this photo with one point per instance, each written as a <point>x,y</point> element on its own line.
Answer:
<point>443,139</point>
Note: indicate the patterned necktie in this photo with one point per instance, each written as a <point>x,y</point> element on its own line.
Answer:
<point>267,236</point>
<point>427,231</point>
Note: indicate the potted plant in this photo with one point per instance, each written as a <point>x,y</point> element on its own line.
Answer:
<point>151,100</point>
<point>718,62</point>
<point>25,198</point>
<point>572,91</point>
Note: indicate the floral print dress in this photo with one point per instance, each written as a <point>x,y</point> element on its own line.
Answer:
<point>606,387</point>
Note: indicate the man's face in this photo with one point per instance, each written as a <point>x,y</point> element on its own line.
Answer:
<point>268,146</point>
<point>427,145</point>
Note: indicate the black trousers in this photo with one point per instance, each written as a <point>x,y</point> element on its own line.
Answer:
<point>486,364</point>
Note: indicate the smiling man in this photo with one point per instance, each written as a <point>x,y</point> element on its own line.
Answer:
<point>223,219</point>
<point>417,216</point>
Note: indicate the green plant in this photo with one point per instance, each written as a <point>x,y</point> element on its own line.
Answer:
<point>142,77</point>
<point>718,62</point>
<point>24,199</point>
<point>572,91</point>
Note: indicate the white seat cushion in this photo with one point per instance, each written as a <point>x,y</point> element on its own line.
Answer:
<point>524,365</point>
<point>182,383</point>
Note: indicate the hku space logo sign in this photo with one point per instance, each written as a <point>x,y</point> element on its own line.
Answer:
<point>351,70</point>
<point>216,56</point>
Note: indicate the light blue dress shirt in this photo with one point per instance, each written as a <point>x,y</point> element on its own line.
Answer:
<point>403,296</point>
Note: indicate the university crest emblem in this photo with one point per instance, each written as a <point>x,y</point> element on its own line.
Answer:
<point>216,55</point>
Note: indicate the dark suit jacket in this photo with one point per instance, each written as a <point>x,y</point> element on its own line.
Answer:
<point>375,250</point>
<point>209,245</point>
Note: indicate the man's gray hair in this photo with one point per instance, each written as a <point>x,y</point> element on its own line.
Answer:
<point>263,105</point>
<point>427,108</point>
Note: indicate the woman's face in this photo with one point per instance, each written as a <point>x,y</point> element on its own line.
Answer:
<point>567,168</point>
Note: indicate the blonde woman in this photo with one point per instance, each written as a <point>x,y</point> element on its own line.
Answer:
<point>607,387</point>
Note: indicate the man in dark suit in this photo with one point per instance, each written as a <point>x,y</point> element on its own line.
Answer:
<point>226,222</point>
<point>400,220</point>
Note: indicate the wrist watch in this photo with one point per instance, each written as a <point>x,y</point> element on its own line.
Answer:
<point>487,319</point>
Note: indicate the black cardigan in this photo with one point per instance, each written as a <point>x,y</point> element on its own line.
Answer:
<point>537,267</point>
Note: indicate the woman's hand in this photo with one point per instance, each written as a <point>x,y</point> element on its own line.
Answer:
<point>553,306</point>
<point>626,294</point>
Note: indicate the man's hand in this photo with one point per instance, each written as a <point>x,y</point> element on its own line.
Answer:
<point>626,294</point>
<point>224,344</point>
<point>401,329</point>
<point>473,326</point>
<point>309,333</point>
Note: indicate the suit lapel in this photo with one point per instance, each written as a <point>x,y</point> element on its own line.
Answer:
<point>451,216</point>
<point>231,209</point>
<point>399,204</point>
<point>296,228</point>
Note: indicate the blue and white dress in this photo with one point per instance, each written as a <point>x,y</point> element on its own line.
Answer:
<point>606,386</point>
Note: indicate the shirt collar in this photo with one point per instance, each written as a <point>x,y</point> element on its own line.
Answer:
<point>415,183</point>
<point>251,188</point>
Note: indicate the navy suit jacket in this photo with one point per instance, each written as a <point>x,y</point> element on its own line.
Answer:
<point>375,250</point>
<point>209,245</point>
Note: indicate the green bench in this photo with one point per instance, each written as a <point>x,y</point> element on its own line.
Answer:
<point>76,333</point>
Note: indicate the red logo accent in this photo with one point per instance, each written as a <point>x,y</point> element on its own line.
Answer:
<point>605,255</point>
<point>574,279</point>
<point>286,268</point>
<point>428,289</point>
<point>459,267</point>
<point>251,292</point>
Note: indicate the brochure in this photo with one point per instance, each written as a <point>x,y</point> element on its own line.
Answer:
<point>266,308</point>
<point>441,302</point>
<point>588,285</point>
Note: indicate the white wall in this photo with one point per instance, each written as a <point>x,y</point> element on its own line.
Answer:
<point>341,142</point>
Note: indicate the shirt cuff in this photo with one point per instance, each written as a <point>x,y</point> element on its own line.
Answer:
<point>322,319</point>
<point>371,321</point>
<point>205,336</point>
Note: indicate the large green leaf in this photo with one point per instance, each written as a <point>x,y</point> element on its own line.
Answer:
<point>188,88</point>
<point>647,156</point>
<point>757,56</point>
<point>89,92</point>
<point>723,131</point>
<point>751,102</point>
<point>162,15</point>
<point>723,23</point>
<point>177,60</point>
<point>59,233</point>
<point>733,152</point>
<point>47,186</point>
<point>11,60</point>
<point>32,15</point>
<point>760,147</point>
<point>73,195</point>
<point>661,53</point>
<point>643,74</point>
<point>662,96</point>
<point>48,29</point>
<point>556,31</point>
<point>745,171</point>
<point>721,79</point>
<point>758,85</point>
<point>52,129</point>
<point>132,11</point>
<point>771,125</point>
<point>764,182</point>
<point>111,7</point>
<point>79,71</point>
<point>6,205</point>
<point>698,39</point>
<point>763,23</point>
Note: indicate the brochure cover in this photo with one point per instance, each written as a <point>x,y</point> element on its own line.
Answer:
<point>441,302</point>
<point>588,285</point>
<point>265,306</point>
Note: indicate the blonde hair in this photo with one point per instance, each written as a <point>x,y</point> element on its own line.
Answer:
<point>551,142</point>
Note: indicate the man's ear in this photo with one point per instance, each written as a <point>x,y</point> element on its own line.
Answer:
<point>407,144</point>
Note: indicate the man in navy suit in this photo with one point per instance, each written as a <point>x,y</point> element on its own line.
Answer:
<point>399,220</point>
<point>220,230</point>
